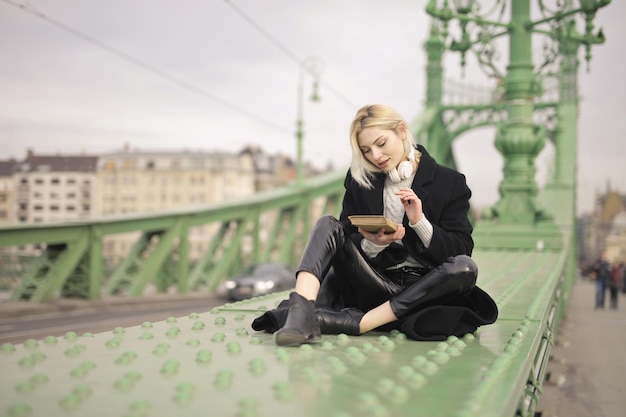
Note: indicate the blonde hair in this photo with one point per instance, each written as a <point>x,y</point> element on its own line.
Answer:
<point>381,116</point>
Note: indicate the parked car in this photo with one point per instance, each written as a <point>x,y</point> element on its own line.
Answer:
<point>260,279</point>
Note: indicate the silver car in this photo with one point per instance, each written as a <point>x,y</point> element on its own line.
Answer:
<point>260,279</point>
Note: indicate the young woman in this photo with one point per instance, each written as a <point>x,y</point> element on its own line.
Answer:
<point>419,279</point>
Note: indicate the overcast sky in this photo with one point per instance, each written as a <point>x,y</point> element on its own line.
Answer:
<point>90,76</point>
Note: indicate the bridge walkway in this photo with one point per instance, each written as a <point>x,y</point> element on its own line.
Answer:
<point>213,363</point>
<point>587,370</point>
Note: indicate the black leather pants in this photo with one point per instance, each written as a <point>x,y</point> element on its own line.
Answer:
<point>453,278</point>
<point>348,280</point>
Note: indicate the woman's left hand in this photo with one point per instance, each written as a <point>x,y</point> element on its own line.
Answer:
<point>412,204</point>
<point>381,238</point>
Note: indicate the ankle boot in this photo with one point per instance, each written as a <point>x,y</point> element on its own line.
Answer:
<point>455,277</point>
<point>336,322</point>
<point>300,326</point>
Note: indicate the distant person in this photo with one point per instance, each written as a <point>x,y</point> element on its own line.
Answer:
<point>602,271</point>
<point>615,283</point>
<point>419,279</point>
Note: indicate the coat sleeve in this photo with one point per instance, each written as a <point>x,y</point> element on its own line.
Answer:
<point>446,206</point>
<point>350,207</point>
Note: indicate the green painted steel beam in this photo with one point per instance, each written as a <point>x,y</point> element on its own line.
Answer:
<point>213,362</point>
<point>65,262</point>
<point>220,269</point>
<point>149,265</point>
<point>199,272</point>
<point>18,235</point>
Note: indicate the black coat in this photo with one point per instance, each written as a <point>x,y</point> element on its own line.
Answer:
<point>445,203</point>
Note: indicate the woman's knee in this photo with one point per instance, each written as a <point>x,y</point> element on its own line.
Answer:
<point>328,220</point>
<point>327,224</point>
<point>463,267</point>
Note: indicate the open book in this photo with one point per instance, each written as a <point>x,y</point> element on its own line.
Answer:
<point>373,223</point>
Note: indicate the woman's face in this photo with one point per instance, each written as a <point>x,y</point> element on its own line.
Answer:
<point>382,147</point>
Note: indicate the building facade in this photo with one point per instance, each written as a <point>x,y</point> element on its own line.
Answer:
<point>602,230</point>
<point>144,182</point>
<point>7,205</point>
<point>53,188</point>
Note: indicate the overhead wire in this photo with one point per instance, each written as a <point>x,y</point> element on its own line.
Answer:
<point>284,49</point>
<point>181,83</point>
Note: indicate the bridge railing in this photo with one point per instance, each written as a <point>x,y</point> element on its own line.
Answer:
<point>213,360</point>
<point>183,249</point>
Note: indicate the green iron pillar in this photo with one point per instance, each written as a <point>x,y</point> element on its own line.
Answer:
<point>518,139</point>
<point>562,179</point>
<point>567,113</point>
<point>434,47</point>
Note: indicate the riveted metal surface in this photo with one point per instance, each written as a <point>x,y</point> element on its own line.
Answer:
<point>213,363</point>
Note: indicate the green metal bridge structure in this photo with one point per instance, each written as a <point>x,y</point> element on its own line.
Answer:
<point>211,363</point>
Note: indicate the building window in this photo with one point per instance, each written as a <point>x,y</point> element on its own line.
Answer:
<point>54,207</point>
<point>39,181</point>
<point>129,163</point>
<point>55,181</point>
<point>70,208</point>
<point>70,181</point>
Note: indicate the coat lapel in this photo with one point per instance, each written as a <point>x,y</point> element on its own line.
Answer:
<point>424,175</point>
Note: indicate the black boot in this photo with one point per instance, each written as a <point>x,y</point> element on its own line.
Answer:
<point>455,277</point>
<point>336,322</point>
<point>300,326</point>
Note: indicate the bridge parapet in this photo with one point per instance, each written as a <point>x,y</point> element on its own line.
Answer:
<point>213,363</point>
<point>67,258</point>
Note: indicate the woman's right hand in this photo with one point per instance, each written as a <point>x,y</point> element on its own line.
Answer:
<point>381,238</point>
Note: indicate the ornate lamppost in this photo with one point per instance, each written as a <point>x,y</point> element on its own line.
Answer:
<point>314,67</point>
<point>519,137</point>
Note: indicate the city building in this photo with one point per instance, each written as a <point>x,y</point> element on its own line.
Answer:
<point>51,188</point>
<point>133,181</point>
<point>616,240</point>
<point>603,230</point>
<point>6,192</point>
<point>272,171</point>
<point>143,182</point>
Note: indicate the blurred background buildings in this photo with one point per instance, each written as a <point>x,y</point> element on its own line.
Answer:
<point>52,188</point>
<point>61,188</point>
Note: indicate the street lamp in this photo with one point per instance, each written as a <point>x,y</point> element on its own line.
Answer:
<point>314,67</point>
<point>519,139</point>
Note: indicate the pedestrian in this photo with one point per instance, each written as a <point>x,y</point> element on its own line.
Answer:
<point>614,284</point>
<point>602,271</point>
<point>419,279</point>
